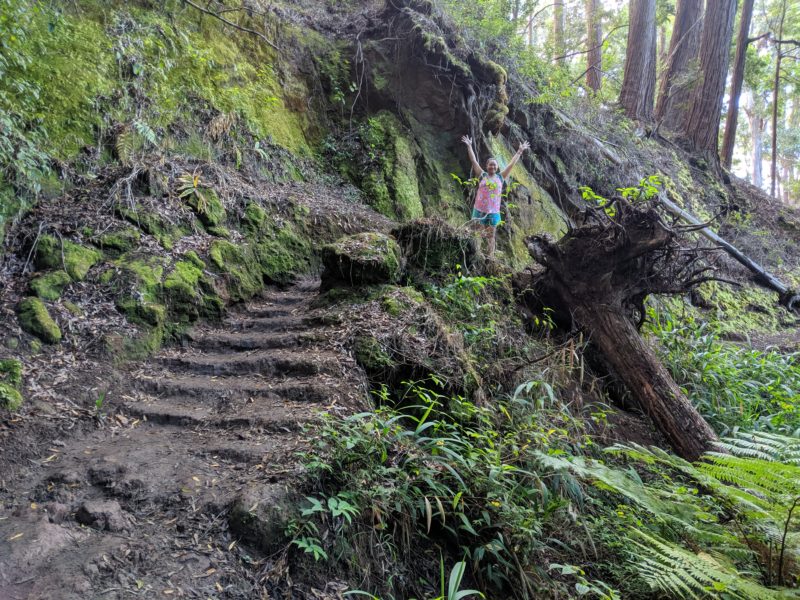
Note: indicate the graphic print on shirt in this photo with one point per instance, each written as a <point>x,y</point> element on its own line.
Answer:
<point>489,190</point>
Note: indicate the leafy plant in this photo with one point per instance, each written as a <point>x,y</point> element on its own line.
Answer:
<point>730,385</point>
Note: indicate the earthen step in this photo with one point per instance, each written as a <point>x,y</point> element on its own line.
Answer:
<point>306,389</point>
<point>261,311</point>
<point>277,324</point>
<point>216,339</point>
<point>274,416</point>
<point>268,363</point>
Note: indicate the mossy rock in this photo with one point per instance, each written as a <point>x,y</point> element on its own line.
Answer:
<point>239,263</point>
<point>141,311</point>
<point>362,259</point>
<point>187,292</point>
<point>254,219</point>
<point>283,253</point>
<point>75,259</point>
<point>10,397</point>
<point>35,319</point>
<point>11,372</point>
<point>120,242</point>
<point>435,246</point>
<point>50,285</point>
<point>207,206</point>
<point>153,224</point>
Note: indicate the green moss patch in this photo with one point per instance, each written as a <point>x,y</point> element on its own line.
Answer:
<point>371,355</point>
<point>363,258</point>
<point>188,293</point>
<point>50,285</point>
<point>120,242</point>
<point>10,398</point>
<point>75,259</point>
<point>11,372</point>
<point>244,273</point>
<point>35,319</point>
<point>207,206</point>
<point>151,223</point>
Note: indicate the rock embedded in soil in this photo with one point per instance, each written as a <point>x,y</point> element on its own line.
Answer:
<point>75,259</point>
<point>35,319</point>
<point>362,259</point>
<point>260,516</point>
<point>50,285</point>
<point>105,515</point>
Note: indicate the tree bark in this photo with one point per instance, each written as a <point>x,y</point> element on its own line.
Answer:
<point>639,80</point>
<point>775,96</point>
<point>594,42</point>
<point>701,130</point>
<point>677,77</point>
<point>756,122</point>
<point>638,368</point>
<point>732,118</point>
<point>558,31</point>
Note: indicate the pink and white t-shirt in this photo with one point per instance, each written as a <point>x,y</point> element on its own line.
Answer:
<point>489,190</point>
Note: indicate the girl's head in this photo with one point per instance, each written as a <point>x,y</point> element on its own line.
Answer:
<point>492,166</point>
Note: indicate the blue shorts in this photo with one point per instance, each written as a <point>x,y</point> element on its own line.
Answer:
<point>483,218</point>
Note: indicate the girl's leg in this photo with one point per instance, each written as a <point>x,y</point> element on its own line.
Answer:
<point>490,237</point>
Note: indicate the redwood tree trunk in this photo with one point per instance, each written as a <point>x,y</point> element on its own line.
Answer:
<point>594,42</point>
<point>558,30</point>
<point>639,81</point>
<point>676,80</point>
<point>732,118</point>
<point>701,130</point>
<point>639,369</point>
<point>756,122</point>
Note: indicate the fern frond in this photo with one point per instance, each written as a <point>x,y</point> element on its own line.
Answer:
<point>144,130</point>
<point>679,573</point>
<point>764,446</point>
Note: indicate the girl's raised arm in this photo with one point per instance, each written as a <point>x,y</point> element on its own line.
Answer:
<point>522,147</point>
<point>476,167</point>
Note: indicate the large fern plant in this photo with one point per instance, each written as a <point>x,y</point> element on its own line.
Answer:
<point>737,509</point>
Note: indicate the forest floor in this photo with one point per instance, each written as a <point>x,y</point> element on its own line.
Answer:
<point>192,452</point>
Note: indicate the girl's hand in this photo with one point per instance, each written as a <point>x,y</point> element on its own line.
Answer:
<point>523,146</point>
<point>467,140</point>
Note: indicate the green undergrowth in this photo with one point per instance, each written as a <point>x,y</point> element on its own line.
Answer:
<point>520,491</point>
<point>731,385</point>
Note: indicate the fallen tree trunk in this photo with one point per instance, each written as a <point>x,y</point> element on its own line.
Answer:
<point>597,276</point>
<point>787,296</point>
<point>642,373</point>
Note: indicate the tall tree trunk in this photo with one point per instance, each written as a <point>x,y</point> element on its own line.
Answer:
<point>775,96</point>
<point>732,118</point>
<point>701,130</point>
<point>558,31</point>
<point>639,81</point>
<point>757,135</point>
<point>676,79</point>
<point>594,41</point>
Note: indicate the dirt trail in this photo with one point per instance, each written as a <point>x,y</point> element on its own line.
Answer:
<point>186,494</point>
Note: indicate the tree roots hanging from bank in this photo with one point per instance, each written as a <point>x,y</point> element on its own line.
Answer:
<point>597,277</point>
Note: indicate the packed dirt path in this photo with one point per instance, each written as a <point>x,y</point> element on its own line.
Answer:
<point>183,489</point>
